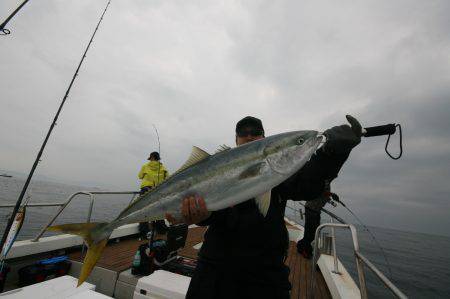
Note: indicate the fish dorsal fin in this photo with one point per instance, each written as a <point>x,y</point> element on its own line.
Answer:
<point>263,202</point>
<point>222,148</point>
<point>197,155</point>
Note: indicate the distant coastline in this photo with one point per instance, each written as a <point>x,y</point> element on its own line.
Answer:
<point>53,180</point>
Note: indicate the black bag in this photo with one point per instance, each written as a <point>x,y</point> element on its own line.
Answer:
<point>181,265</point>
<point>142,264</point>
<point>159,226</point>
<point>144,229</point>
<point>3,274</point>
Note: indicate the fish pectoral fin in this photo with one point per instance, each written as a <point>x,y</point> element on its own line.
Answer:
<point>197,155</point>
<point>263,202</point>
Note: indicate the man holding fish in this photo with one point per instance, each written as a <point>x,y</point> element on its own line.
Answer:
<point>243,252</point>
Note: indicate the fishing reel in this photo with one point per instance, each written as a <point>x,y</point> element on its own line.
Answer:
<point>333,199</point>
<point>5,31</point>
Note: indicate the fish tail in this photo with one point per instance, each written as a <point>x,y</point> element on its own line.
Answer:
<point>95,245</point>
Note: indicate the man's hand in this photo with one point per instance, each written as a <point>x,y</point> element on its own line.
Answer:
<point>193,210</point>
<point>342,139</point>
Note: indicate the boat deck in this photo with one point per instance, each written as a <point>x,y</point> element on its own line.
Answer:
<point>119,256</point>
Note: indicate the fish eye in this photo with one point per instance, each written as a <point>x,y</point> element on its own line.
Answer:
<point>300,141</point>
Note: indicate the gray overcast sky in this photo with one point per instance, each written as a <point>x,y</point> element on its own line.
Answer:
<point>193,68</point>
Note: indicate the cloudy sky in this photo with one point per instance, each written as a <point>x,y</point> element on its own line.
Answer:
<point>193,68</point>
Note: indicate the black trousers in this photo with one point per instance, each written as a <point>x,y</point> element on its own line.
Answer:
<point>213,281</point>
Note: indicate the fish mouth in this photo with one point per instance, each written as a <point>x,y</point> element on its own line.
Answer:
<point>322,139</point>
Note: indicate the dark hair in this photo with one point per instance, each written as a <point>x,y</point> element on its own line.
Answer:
<point>250,122</point>
<point>155,155</point>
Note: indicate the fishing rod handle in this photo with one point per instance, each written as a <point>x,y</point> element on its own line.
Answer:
<point>388,129</point>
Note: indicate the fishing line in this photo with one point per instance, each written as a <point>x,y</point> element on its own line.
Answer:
<point>373,237</point>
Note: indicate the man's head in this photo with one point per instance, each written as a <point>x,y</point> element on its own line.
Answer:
<point>154,156</point>
<point>249,129</point>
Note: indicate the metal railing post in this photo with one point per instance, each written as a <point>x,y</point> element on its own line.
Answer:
<point>333,240</point>
<point>91,206</point>
<point>359,265</point>
<point>312,281</point>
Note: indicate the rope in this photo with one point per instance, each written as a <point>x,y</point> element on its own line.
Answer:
<point>401,144</point>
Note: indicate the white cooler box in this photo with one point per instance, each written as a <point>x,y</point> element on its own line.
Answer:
<point>57,288</point>
<point>162,284</point>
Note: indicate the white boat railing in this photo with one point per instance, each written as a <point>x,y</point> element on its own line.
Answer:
<point>63,205</point>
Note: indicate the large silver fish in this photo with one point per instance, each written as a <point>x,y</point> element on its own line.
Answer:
<point>224,179</point>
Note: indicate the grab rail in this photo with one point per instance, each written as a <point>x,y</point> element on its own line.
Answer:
<point>69,199</point>
<point>41,204</point>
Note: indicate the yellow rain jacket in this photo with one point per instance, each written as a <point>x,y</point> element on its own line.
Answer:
<point>149,174</point>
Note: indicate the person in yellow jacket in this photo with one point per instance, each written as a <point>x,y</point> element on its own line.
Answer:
<point>152,173</point>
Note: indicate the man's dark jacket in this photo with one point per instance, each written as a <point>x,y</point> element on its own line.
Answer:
<point>243,252</point>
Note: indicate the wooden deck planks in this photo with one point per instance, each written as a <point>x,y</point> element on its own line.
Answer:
<point>306,277</point>
<point>300,275</point>
<point>294,278</point>
<point>117,256</point>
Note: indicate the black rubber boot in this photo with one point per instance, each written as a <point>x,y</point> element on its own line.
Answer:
<point>312,221</point>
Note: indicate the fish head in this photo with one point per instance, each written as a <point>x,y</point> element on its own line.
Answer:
<point>286,153</point>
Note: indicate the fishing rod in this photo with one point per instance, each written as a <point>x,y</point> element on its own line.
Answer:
<point>328,212</point>
<point>159,150</point>
<point>37,160</point>
<point>3,30</point>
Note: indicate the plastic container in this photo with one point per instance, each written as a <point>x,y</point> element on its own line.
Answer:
<point>162,284</point>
